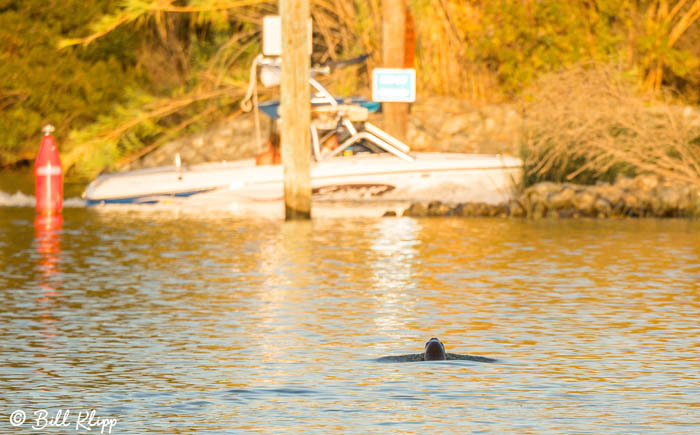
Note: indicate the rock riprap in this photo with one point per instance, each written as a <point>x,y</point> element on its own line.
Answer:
<point>643,196</point>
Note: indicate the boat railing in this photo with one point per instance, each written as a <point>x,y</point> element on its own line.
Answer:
<point>329,113</point>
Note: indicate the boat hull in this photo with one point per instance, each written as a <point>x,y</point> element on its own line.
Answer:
<point>364,184</point>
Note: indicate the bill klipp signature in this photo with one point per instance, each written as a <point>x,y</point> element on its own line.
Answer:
<point>81,420</point>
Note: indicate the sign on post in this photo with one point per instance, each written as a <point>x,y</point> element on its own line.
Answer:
<point>272,35</point>
<point>396,85</point>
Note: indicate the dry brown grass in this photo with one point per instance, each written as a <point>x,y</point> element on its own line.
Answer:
<point>588,123</point>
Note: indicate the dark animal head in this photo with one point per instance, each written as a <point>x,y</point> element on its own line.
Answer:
<point>434,350</point>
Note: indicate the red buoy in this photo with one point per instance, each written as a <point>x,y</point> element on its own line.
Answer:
<point>49,176</point>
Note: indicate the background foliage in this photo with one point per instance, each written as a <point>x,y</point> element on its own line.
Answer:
<point>119,77</point>
<point>602,129</point>
<point>40,84</point>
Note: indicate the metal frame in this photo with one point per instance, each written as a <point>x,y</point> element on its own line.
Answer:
<point>371,132</point>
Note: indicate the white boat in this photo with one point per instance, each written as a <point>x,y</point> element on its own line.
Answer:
<point>363,184</point>
<point>389,178</point>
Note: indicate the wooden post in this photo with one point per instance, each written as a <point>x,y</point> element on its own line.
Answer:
<point>393,34</point>
<point>295,108</point>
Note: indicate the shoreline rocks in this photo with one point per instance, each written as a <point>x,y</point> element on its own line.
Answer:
<point>643,196</point>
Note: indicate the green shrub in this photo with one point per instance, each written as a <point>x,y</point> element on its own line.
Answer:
<point>67,88</point>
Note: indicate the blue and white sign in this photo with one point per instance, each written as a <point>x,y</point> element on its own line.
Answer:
<point>396,85</point>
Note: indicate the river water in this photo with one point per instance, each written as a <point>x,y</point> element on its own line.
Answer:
<point>186,324</point>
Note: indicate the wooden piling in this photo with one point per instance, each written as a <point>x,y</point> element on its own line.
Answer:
<point>295,108</point>
<point>393,50</point>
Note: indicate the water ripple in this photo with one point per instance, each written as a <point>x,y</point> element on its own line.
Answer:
<point>180,325</point>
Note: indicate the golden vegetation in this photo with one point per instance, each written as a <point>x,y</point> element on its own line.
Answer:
<point>588,124</point>
<point>188,61</point>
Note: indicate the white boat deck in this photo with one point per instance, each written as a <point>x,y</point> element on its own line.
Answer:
<point>368,183</point>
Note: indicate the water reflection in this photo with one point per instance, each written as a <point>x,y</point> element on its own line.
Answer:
<point>182,325</point>
<point>48,245</point>
<point>286,263</point>
<point>392,260</point>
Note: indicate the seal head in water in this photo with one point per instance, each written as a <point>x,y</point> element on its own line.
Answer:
<point>434,350</point>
